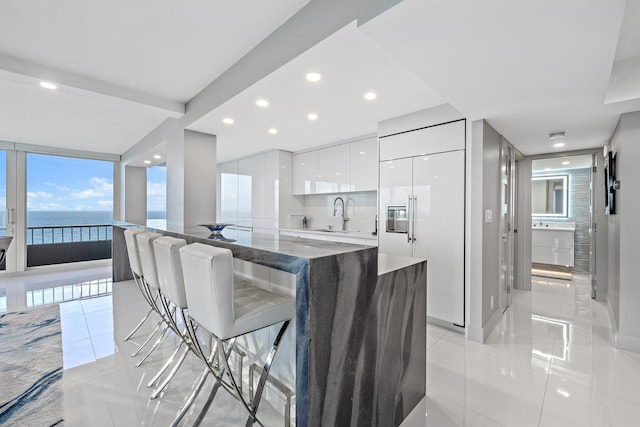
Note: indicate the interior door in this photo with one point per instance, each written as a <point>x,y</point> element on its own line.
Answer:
<point>438,229</point>
<point>395,192</point>
<point>506,225</point>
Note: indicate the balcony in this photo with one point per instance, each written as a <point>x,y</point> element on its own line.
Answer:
<point>69,243</point>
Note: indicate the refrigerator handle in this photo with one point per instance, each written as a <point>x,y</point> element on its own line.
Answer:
<point>409,219</point>
<point>413,219</point>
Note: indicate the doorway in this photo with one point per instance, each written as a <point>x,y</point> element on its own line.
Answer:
<point>562,211</point>
<point>507,217</point>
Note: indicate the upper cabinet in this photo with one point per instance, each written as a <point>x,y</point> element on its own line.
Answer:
<point>432,139</point>
<point>364,165</point>
<point>333,169</point>
<point>305,173</point>
<point>338,169</point>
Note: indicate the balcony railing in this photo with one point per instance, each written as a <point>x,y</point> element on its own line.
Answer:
<point>49,245</point>
<point>54,234</point>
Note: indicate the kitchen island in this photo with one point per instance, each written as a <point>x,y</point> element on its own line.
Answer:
<point>360,326</point>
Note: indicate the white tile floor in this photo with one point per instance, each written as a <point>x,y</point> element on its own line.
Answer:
<point>550,362</point>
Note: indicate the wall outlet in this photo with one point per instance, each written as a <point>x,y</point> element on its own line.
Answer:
<point>492,302</point>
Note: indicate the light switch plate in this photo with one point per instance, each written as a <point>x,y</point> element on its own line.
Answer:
<point>488,215</point>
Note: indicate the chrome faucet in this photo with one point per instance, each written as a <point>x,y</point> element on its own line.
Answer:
<point>338,202</point>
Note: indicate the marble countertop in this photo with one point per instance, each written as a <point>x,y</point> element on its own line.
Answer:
<point>354,234</point>
<point>388,263</point>
<point>283,245</point>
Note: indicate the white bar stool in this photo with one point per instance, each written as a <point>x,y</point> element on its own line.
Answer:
<point>225,314</point>
<point>174,298</point>
<point>136,270</point>
<point>150,274</point>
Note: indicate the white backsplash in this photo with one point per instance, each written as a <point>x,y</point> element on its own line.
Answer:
<point>361,209</point>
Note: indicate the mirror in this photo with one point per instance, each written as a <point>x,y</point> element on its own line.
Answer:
<point>549,196</point>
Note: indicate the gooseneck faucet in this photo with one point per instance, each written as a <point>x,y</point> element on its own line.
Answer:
<point>338,202</point>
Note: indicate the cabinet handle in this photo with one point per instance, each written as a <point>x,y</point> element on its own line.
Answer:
<point>409,217</point>
<point>413,218</point>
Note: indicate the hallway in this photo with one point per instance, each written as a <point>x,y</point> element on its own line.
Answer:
<point>550,362</point>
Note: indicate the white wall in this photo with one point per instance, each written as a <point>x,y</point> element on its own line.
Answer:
<point>624,234</point>
<point>135,195</point>
<point>200,175</point>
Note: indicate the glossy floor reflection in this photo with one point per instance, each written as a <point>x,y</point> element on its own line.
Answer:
<point>550,362</point>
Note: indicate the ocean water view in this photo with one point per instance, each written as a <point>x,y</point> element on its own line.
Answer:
<point>72,218</point>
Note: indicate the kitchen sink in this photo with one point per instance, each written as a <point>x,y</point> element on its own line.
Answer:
<point>332,230</point>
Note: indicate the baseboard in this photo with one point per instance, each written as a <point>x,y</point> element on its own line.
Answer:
<point>627,342</point>
<point>480,334</point>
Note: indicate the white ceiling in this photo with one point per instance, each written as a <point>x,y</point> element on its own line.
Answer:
<point>529,68</point>
<point>556,163</point>
<point>350,65</point>
<point>156,52</point>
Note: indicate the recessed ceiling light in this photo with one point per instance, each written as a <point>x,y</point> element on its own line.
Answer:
<point>273,131</point>
<point>547,169</point>
<point>157,156</point>
<point>370,96</point>
<point>566,163</point>
<point>312,116</point>
<point>314,77</point>
<point>48,85</point>
<point>558,145</point>
<point>229,120</point>
<point>362,152</point>
<point>262,103</point>
<point>147,162</point>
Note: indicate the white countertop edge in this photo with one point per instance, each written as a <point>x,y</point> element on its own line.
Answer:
<point>388,263</point>
<point>355,234</point>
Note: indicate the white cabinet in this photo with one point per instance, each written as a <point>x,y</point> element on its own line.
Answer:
<point>421,213</point>
<point>364,165</point>
<point>251,187</point>
<point>228,193</point>
<point>553,245</point>
<point>252,190</point>
<point>305,173</point>
<point>333,169</point>
<point>433,139</point>
<point>339,169</point>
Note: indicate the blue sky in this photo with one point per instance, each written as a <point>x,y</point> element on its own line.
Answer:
<point>57,183</point>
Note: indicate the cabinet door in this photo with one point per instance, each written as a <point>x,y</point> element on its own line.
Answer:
<point>434,139</point>
<point>395,190</point>
<point>245,184</point>
<point>364,165</point>
<point>333,169</point>
<point>438,188</point>
<point>305,173</point>
<point>228,192</point>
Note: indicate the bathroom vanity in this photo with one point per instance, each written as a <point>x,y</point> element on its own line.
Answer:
<point>553,243</point>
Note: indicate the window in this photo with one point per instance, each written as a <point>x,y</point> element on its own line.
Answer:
<point>69,201</point>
